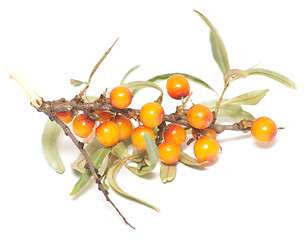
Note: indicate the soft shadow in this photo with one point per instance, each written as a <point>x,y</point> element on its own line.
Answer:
<point>265,145</point>
<point>241,137</point>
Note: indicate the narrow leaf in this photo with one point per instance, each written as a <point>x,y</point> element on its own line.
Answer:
<point>76,83</point>
<point>97,160</point>
<point>167,172</point>
<point>91,148</point>
<point>250,98</point>
<point>138,85</point>
<point>218,48</point>
<point>128,73</point>
<point>100,61</point>
<point>189,77</point>
<point>233,111</point>
<point>188,160</point>
<point>49,140</point>
<point>273,75</point>
<point>152,150</point>
<point>120,150</point>
<point>111,177</point>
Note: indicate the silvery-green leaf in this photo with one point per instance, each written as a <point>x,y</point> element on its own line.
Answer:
<point>167,172</point>
<point>128,73</point>
<point>120,151</point>
<point>273,75</point>
<point>49,142</point>
<point>76,83</point>
<point>97,160</point>
<point>218,48</point>
<point>233,111</point>
<point>138,85</point>
<point>188,160</point>
<point>90,148</point>
<point>250,98</point>
<point>111,177</point>
<point>152,151</point>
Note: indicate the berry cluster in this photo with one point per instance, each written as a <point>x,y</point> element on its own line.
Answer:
<point>113,128</point>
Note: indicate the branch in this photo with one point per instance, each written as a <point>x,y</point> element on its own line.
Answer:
<point>89,164</point>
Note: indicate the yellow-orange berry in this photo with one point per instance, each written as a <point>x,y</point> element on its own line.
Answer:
<point>177,86</point>
<point>64,116</point>
<point>104,116</point>
<point>175,133</point>
<point>264,129</point>
<point>137,136</point>
<point>199,116</point>
<point>206,149</point>
<point>107,133</point>
<point>121,97</point>
<point>152,114</point>
<point>82,126</point>
<point>124,125</point>
<point>169,152</point>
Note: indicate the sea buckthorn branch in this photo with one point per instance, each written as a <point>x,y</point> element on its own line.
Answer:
<point>89,109</point>
<point>89,165</point>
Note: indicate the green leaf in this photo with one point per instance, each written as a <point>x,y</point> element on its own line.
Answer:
<point>233,111</point>
<point>190,161</point>
<point>120,150</point>
<point>167,172</point>
<point>100,61</point>
<point>97,160</point>
<point>250,98</point>
<point>273,75</point>
<point>91,148</point>
<point>129,72</point>
<point>218,48</point>
<point>152,150</point>
<point>189,77</point>
<point>138,85</point>
<point>111,177</point>
<point>76,83</point>
<point>49,140</point>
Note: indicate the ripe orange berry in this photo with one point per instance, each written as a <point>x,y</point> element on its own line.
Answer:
<point>175,133</point>
<point>121,97</point>
<point>177,86</point>
<point>206,149</point>
<point>124,125</point>
<point>82,126</point>
<point>199,116</point>
<point>137,136</point>
<point>64,116</point>
<point>264,129</point>
<point>104,116</point>
<point>107,133</point>
<point>152,114</point>
<point>169,152</point>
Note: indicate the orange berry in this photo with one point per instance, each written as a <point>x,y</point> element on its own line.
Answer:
<point>104,116</point>
<point>177,86</point>
<point>152,114</point>
<point>211,132</point>
<point>64,116</point>
<point>199,116</point>
<point>169,152</point>
<point>82,126</point>
<point>137,136</point>
<point>124,125</point>
<point>175,133</point>
<point>264,129</point>
<point>107,133</point>
<point>206,149</point>
<point>121,97</point>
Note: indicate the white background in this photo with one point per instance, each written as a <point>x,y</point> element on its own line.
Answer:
<point>253,192</point>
